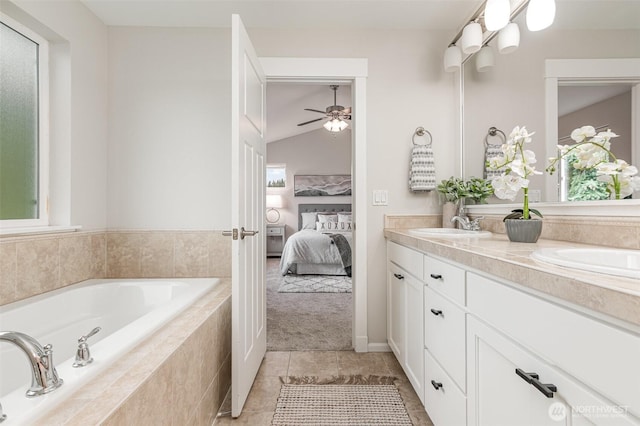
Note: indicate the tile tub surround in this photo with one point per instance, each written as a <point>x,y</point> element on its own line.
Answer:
<point>180,375</point>
<point>35,264</point>
<point>617,297</point>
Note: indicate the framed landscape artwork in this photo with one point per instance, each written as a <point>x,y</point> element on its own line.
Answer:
<point>321,185</point>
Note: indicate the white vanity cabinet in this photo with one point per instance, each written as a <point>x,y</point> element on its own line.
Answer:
<point>530,358</point>
<point>405,311</point>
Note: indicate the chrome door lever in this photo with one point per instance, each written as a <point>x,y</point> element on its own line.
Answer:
<point>244,233</point>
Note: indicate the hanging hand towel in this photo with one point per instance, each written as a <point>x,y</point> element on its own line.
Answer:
<point>422,171</point>
<point>492,151</point>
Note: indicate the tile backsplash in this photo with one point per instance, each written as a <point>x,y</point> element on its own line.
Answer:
<point>31,265</point>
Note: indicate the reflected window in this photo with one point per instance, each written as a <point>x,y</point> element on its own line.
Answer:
<point>22,145</point>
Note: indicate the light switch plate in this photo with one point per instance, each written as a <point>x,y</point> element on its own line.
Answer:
<point>380,197</point>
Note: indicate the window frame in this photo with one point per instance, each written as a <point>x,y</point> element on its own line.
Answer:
<point>277,166</point>
<point>43,127</point>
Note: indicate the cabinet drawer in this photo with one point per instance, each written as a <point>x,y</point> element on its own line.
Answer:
<point>444,334</point>
<point>600,355</point>
<point>408,259</point>
<point>445,278</point>
<point>445,405</point>
<point>275,231</point>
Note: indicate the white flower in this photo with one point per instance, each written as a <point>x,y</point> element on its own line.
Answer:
<point>506,187</point>
<point>583,133</point>
<point>604,137</point>
<point>520,135</point>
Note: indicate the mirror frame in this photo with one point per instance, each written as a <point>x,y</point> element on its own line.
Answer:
<point>582,71</point>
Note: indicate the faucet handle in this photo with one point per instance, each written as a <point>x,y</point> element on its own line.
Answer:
<point>91,333</point>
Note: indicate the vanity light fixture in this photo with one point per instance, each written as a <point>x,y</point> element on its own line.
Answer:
<point>335,125</point>
<point>540,14</point>
<point>485,59</point>
<point>452,58</point>
<point>509,38</point>
<point>471,40</point>
<point>496,14</point>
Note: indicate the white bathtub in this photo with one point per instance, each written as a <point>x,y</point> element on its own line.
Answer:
<point>127,310</point>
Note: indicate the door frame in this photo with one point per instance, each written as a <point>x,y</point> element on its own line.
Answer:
<point>354,71</point>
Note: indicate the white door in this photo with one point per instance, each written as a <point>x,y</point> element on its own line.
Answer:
<point>248,297</point>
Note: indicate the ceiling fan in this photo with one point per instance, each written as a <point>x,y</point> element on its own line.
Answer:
<point>334,112</point>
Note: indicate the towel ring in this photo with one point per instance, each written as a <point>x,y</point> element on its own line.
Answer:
<point>421,131</point>
<point>493,131</point>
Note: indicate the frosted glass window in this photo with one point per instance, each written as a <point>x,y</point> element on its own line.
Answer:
<point>18,126</point>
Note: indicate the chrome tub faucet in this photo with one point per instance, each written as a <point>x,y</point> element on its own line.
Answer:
<point>44,375</point>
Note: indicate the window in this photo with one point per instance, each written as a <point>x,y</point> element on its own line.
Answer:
<point>23,126</point>
<point>276,175</point>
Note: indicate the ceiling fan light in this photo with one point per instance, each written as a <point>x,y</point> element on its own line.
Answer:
<point>452,59</point>
<point>485,59</point>
<point>509,38</point>
<point>540,14</point>
<point>471,40</point>
<point>496,14</point>
<point>335,125</point>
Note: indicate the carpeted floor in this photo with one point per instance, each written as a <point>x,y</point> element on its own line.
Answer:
<point>306,321</point>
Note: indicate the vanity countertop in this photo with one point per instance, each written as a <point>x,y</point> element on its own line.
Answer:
<point>617,297</point>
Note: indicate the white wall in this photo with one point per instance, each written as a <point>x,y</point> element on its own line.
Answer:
<point>169,125</point>
<point>78,107</point>
<point>513,92</point>
<point>169,128</point>
<point>314,153</point>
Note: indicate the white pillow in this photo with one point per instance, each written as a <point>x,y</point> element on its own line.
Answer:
<point>309,220</point>
<point>327,217</point>
<point>344,217</point>
<point>330,227</point>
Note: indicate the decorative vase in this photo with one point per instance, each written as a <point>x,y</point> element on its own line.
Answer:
<point>449,210</point>
<point>523,230</point>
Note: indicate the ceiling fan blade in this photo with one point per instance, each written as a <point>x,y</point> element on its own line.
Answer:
<point>311,121</point>
<point>315,110</point>
<point>347,110</point>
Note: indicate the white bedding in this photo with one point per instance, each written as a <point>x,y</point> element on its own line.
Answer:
<point>308,248</point>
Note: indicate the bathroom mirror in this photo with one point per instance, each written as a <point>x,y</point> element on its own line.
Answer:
<point>518,90</point>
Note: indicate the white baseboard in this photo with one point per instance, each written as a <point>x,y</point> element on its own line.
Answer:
<point>378,347</point>
<point>361,344</point>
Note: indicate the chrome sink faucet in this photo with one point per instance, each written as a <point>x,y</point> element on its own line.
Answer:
<point>464,221</point>
<point>44,377</point>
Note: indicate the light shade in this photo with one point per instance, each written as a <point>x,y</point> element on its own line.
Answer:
<point>485,59</point>
<point>496,14</point>
<point>509,38</point>
<point>274,201</point>
<point>452,59</point>
<point>335,125</point>
<point>540,14</point>
<point>471,40</point>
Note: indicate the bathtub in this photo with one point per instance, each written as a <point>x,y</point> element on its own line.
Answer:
<point>127,310</point>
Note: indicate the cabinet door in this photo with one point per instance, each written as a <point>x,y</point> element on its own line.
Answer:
<point>414,358</point>
<point>396,311</point>
<point>497,395</point>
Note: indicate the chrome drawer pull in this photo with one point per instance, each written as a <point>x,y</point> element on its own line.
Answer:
<point>436,276</point>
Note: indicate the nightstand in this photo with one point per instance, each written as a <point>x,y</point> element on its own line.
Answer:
<point>275,239</point>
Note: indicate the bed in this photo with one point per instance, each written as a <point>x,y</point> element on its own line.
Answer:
<point>322,244</point>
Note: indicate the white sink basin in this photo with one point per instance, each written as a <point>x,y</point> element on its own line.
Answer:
<point>620,262</point>
<point>449,233</point>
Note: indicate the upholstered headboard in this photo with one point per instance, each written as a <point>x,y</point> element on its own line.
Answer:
<point>308,208</point>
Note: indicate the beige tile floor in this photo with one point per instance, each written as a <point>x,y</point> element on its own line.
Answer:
<point>262,399</point>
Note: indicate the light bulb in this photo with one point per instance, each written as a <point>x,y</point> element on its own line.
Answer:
<point>540,14</point>
<point>496,14</point>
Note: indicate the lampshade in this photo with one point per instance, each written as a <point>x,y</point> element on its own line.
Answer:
<point>274,201</point>
<point>496,14</point>
<point>509,38</point>
<point>540,14</point>
<point>485,59</point>
<point>335,125</point>
<point>452,59</point>
<point>471,40</point>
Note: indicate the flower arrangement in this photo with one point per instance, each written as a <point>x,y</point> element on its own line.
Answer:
<point>592,151</point>
<point>517,165</point>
